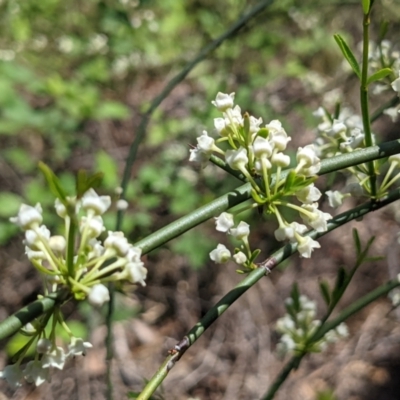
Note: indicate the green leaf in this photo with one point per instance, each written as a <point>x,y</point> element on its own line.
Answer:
<point>348,55</point>
<point>84,183</point>
<point>340,284</point>
<point>379,75</point>
<point>324,287</point>
<point>290,179</point>
<point>108,165</point>
<point>366,6</point>
<point>53,182</point>
<point>357,241</point>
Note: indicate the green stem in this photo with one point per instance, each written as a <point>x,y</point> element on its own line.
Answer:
<point>364,102</point>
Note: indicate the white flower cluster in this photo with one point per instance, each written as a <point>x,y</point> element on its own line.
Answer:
<point>258,153</point>
<point>386,55</point>
<point>225,223</point>
<point>48,355</point>
<point>299,325</point>
<point>253,149</point>
<point>88,270</point>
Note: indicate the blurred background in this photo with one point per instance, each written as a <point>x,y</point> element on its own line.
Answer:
<point>75,78</point>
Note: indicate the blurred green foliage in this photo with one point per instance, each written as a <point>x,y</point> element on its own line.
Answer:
<point>75,76</point>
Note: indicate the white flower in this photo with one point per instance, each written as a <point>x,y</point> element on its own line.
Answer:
<point>318,219</point>
<point>342,330</point>
<point>336,129</point>
<point>97,249</point>
<point>335,198</point>
<point>240,258</point>
<point>286,345</point>
<point>34,372</point>
<point>98,204</point>
<point>28,217</point>
<point>224,222</point>
<point>196,155</point>
<point>98,295</point>
<point>118,242</point>
<point>34,237</point>
<point>285,324</point>
<point>308,162</point>
<point>78,347</point>
<point>280,160</point>
<point>288,231</point>
<point>221,125</point>
<point>308,194</point>
<point>205,143</point>
<point>254,124</point>
<point>241,232</point>
<point>135,272</point>
<point>223,101</point>
<point>43,346</point>
<point>354,141</point>
<point>94,224</point>
<point>221,254</point>
<point>57,243</point>
<point>55,358</point>
<point>134,254</point>
<point>277,135</point>
<point>306,246</point>
<point>262,147</point>
<point>13,375</point>
<point>393,113</point>
<point>237,159</point>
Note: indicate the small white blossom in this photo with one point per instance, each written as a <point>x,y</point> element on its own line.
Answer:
<point>57,243</point>
<point>318,220</point>
<point>93,224</point>
<point>280,160</point>
<point>262,147</point>
<point>98,295</point>
<point>335,198</point>
<point>98,204</point>
<point>277,135</point>
<point>308,194</point>
<point>223,101</point>
<point>35,373</point>
<point>43,346</point>
<point>136,273</point>
<point>13,375</point>
<point>306,247</point>
<point>118,242</point>
<point>78,347</point>
<point>308,162</point>
<point>241,232</point>
<point>205,143</point>
<point>288,232</point>
<point>28,217</point>
<point>224,222</point>
<point>34,237</point>
<point>396,85</point>
<point>240,258</point>
<point>56,358</point>
<point>237,159</point>
<point>221,254</point>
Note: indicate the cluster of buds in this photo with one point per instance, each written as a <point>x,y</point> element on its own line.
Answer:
<point>258,153</point>
<point>78,263</point>
<point>298,326</point>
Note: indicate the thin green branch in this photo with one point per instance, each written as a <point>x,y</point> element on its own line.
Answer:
<point>264,268</point>
<point>364,102</point>
<point>15,322</point>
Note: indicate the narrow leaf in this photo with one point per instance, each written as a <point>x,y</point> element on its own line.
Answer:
<point>379,75</point>
<point>357,241</point>
<point>324,287</point>
<point>53,182</point>
<point>366,6</point>
<point>340,284</point>
<point>348,55</point>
